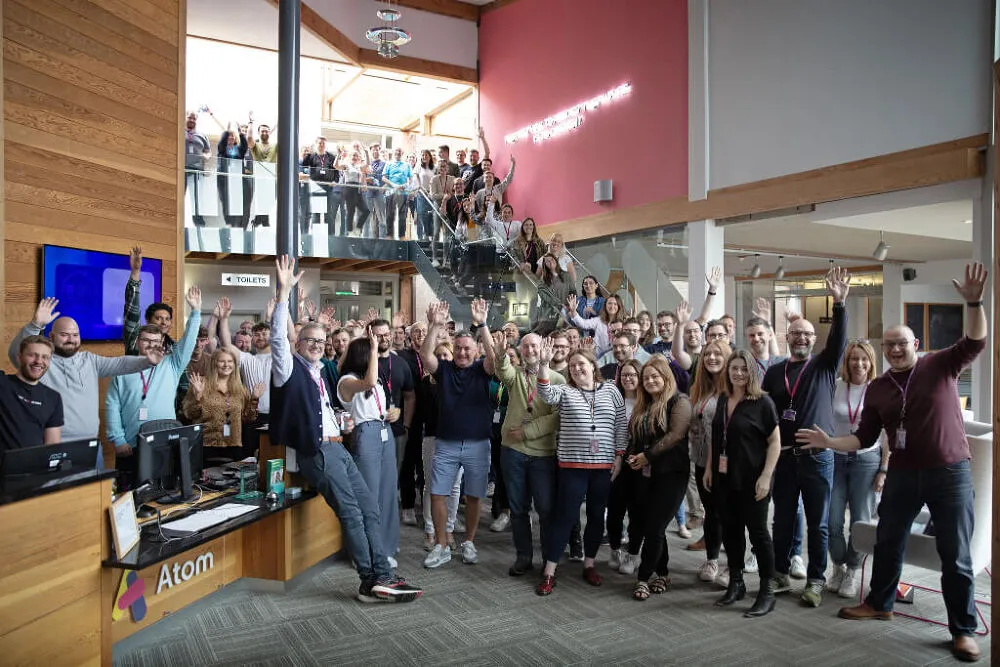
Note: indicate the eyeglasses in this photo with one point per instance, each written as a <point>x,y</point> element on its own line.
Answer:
<point>313,341</point>
<point>801,334</point>
<point>901,344</point>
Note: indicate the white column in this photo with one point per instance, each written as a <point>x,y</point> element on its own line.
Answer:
<point>982,251</point>
<point>892,295</point>
<point>705,250</point>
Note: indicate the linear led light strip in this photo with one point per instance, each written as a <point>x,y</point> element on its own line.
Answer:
<point>567,119</point>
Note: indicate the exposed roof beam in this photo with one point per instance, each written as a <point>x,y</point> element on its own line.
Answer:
<point>430,69</point>
<point>441,108</point>
<point>347,84</point>
<point>452,8</point>
<point>496,4</point>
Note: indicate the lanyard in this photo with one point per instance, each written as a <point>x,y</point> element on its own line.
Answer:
<point>702,404</point>
<point>763,368</point>
<point>591,404</point>
<point>506,228</point>
<point>388,381</point>
<point>500,394</point>
<point>228,397</point>
<point>318,381</point>
<point>853,416</point>
<point>420,366</point>
<point>531,393</point>
<point>378,403</point>
<point>726,417</point>
<point>145,382</point>
<point>791,391</point>
<point>902,388</point>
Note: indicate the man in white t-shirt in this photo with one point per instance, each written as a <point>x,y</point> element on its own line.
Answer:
<point>254,368</point>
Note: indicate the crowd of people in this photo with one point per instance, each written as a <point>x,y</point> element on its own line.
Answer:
<point>632,417</point>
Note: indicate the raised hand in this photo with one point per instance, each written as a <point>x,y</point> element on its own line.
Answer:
<point>587,343</point>
<point>762,309</point>
<point>437,313</point>
<point>398,320</point>
<point>154,354</point>
<point>571,303</point>
<point>370,316</point>
<point>269,311</point>
<point>307,307</point>
<point>224,308</point>
<point>135,262</point>
<point>547,350</point>
<point>971,289</point>
<point>791,315</point>
<point>372,338</point>
<point>197,384</point>
<point>499,341</point>
<point>838,283</point>
<point>683,312</point>
<point>287,278</point>
<point>478,311</point>
<point>194,297</point>
<point>45,313</point>
<point>258,390</point>
<point>714,278</point>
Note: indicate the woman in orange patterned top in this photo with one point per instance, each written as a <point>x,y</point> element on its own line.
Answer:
<point>220,402</point>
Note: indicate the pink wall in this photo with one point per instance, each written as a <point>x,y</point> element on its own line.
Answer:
<point>538,57</point>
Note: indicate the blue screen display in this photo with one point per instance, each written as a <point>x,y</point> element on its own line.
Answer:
<point>90,286</point>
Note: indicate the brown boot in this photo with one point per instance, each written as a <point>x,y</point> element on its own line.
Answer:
<point>964,648</point>
<point>864,612</point>
<point>697,546</point>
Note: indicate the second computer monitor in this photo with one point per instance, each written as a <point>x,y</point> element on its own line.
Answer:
<point>171,459</point>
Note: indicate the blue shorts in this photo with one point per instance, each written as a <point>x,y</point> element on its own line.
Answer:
<point>473,456</point>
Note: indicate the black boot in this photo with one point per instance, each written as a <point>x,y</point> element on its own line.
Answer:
<point>764,604</point>
<point>737,591</point>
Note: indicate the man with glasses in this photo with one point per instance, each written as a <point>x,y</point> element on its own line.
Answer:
<point>560,351</point>
<point>631,327</point>
<point>666,322</point>
<point>916,404</point>
<point>397,380</point>
<point>802,388</point>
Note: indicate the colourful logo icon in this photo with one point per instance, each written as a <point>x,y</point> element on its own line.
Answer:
<point>130,596</point>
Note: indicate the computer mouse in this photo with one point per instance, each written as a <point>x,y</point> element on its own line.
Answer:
<point>145,512</point>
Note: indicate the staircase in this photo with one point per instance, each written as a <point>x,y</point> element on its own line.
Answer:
<point>445,284</point>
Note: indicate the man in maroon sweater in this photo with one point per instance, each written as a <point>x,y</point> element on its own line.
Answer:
<point>916,402</point>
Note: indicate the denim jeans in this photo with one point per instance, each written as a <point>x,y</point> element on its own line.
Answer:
<point>423,219</point>
<point>376,204</point>
<point>811,476</point>
<point>376,460</point>
<point>948,494</point>
<point>573,485</point>
<point>529,479</point>
<point>333,473</point>
<point>853,475</point>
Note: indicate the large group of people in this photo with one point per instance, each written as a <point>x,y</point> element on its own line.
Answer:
<point>382,414</point>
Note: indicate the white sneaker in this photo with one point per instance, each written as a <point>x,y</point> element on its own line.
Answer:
<point>849,586</point>
<point>409,517</point>
<point>836,578</point>
<point>709,571</point>
<point>629,564</point>
<point>438,556</point>
<point>750,564</point>
<point>723,578</point>
<point>798,568</point>
<point>683,531</point>
<point>615,559</point>
<point>435,263</point>
<point>501,523</point>
<point>469,554</point>
<point>393,563</point>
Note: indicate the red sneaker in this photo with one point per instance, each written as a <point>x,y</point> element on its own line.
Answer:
<point>591,577</point>
<point>546,585</point>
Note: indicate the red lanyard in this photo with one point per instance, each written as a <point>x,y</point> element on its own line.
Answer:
<point>318,381</point>
<point>388,380</point>
<point>791,391</point>
<point>853,416</point>
<point>703,404</point>
<point>764,367</point>
<point>506,228</point>
<point>531,392</point>
<point>420,366</point>
<point>145,382</point>
<point>378,403</point>
<point>902,388</point>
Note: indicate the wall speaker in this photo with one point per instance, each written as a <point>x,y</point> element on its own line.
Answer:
<point>909,274</point>
<point>603,191</point>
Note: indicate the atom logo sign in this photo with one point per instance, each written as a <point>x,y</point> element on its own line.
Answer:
<point>131,596</point>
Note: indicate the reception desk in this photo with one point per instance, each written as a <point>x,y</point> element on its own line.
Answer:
<point>61,582</point>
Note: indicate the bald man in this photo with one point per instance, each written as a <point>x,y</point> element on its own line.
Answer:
<point>916,404</point>
<point>75,374</point>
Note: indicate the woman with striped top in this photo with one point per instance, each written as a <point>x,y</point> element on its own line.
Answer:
<point>589,446</point>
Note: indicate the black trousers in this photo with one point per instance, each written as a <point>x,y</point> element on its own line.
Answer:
<point>618,506</point>
<point>411,471</point>
<point>740,510</point>
<point>713,523</point>
<point>661,496</point>
<point>500,502</point>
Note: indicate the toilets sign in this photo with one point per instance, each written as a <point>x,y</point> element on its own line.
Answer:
<point>247,279</point>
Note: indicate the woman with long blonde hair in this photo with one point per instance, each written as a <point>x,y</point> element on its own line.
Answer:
<point>221,404</point>
<point>856,476</point>
<point>709,384</point>
<point>658,451</point>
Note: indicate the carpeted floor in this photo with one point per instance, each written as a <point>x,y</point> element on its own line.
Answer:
<point>478,615</point>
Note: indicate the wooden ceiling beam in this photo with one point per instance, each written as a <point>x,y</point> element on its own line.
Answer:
<point>495,5</point>
<point>430,69</point>
<point>452,8</point>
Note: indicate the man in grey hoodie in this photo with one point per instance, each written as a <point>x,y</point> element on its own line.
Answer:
<point>74,374</point>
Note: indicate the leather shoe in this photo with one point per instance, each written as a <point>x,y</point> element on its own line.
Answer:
<point>864,612</point>
<point>764,604</point>
<point>697,546</point>
<point>964,648</point>
<point>736,591</point>
<point>520,567</point>
<point>546,585</point>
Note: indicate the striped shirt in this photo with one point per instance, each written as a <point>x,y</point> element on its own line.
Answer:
<point>254,369</point>
<point>592,424</point>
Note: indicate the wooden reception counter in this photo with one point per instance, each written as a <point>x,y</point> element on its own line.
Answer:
<point>60,581</point>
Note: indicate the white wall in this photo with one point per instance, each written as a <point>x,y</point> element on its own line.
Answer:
<point>435,37</point>
<point>799,84</point>
<point>245,300</point>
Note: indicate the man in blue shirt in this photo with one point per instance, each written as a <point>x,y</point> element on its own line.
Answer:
<point>397,175</point>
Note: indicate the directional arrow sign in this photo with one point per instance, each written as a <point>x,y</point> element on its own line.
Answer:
<point>247,279</point>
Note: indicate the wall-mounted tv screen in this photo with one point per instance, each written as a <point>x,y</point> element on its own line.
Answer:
<point>90,286</point>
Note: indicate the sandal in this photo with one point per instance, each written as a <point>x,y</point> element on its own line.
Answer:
<point>641,591</point>
<point>659,585</point>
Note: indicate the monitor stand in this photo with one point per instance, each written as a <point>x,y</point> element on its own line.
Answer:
<point>186,492</point>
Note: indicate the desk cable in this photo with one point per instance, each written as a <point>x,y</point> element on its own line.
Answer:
<point>190,505</point>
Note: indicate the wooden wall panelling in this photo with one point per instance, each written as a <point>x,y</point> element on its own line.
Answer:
<point>3,212</point>
<point>315,534</point>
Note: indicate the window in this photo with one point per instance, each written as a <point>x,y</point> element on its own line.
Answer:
<point>937,325</point>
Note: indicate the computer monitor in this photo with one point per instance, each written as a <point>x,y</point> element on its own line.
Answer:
<point>169,461</point>
<point>47,465</point>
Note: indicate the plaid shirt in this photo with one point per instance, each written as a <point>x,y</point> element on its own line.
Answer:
<point>130,333</point>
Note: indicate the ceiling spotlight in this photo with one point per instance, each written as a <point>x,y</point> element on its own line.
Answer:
<point>755,270</point>
<point>780,273</point>
<point>882,249</point>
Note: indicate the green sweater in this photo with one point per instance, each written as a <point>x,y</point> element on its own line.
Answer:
<point>540,424</point>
